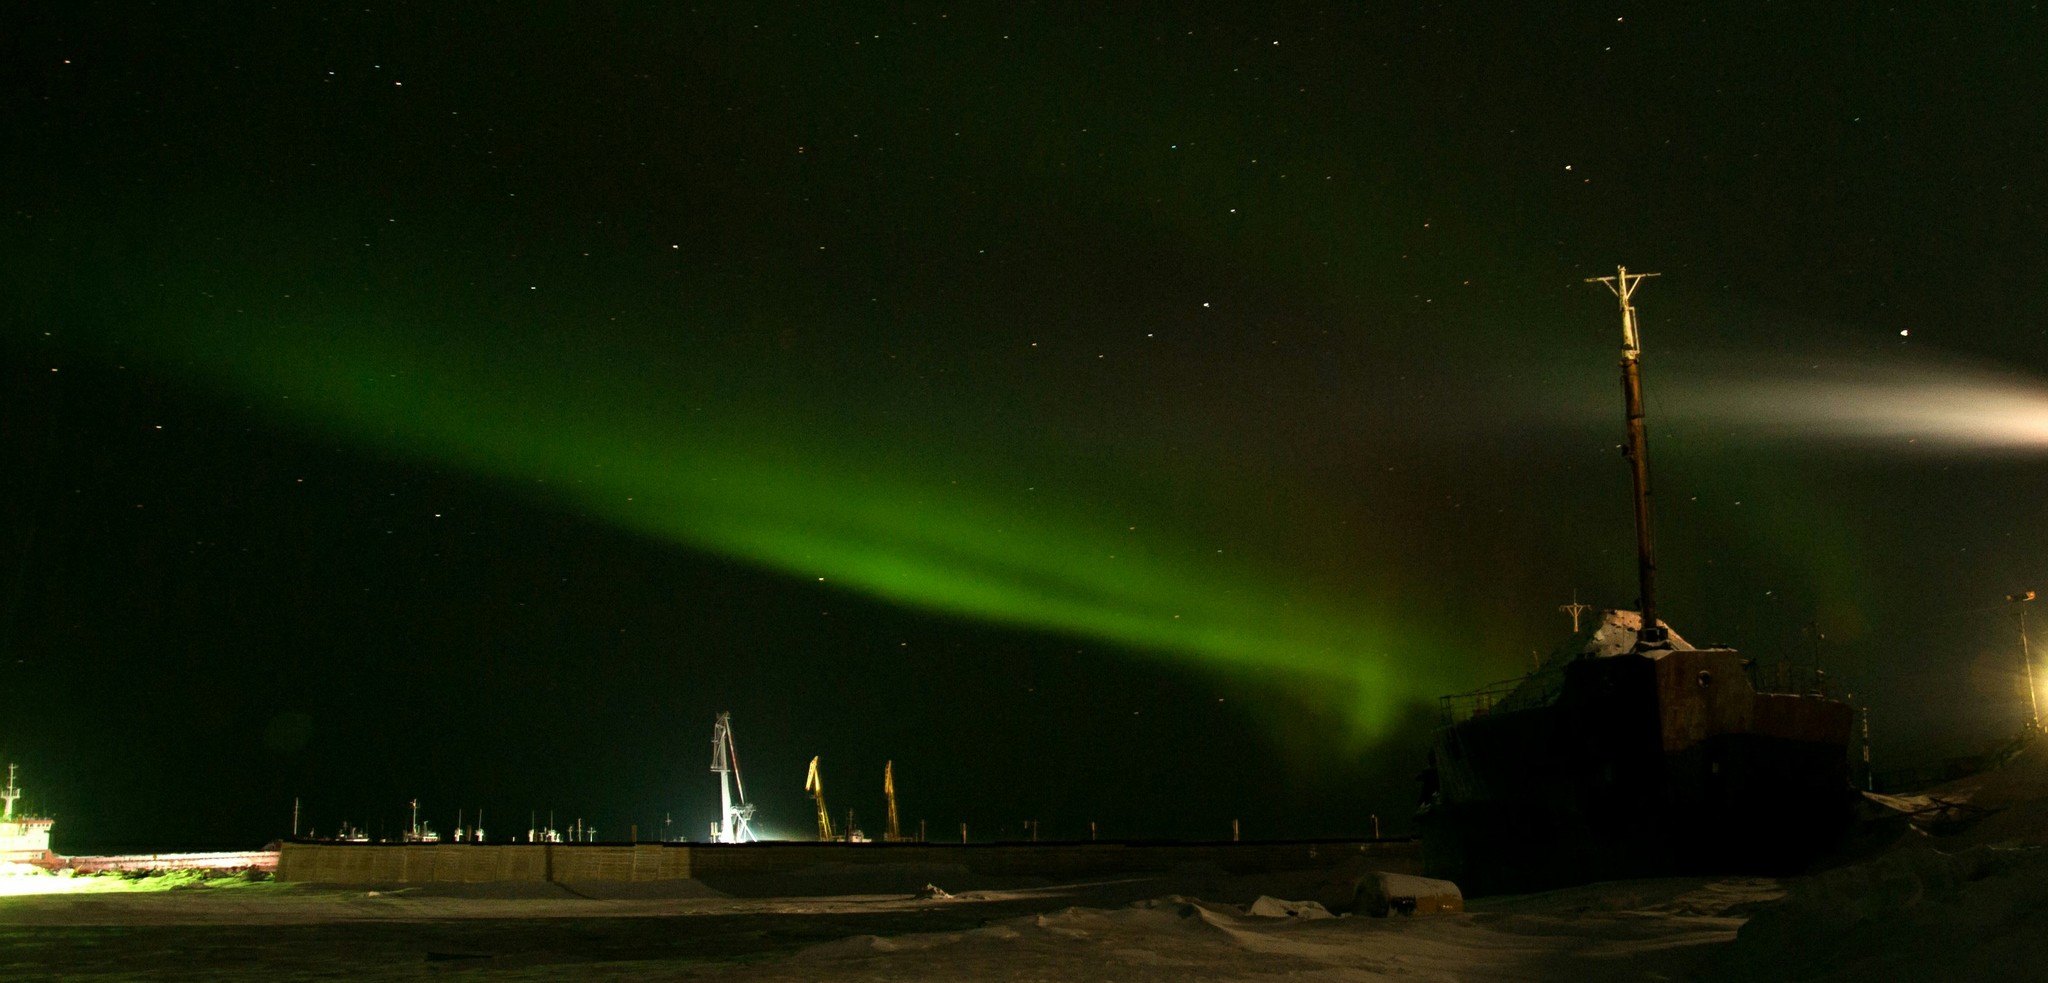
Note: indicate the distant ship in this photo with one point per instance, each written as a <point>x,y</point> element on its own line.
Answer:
<point>1629,752</point>
<point>23,839</point>
<point>1614,760</point>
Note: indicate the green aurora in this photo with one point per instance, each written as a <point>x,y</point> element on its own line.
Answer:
<point>793,493</point>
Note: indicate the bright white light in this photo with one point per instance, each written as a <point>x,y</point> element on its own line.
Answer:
<point>15,883</point>
<point>1945,407</point>
<point>20,883</point>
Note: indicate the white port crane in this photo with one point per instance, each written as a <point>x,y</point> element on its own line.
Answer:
<point>733,817</point>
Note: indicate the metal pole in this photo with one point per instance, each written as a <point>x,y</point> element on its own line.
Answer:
<point>2027,659</point>
<point>1869,776</point>
<point>1638,454</point>
<point>1820,676</point>
<point>1623,284</point>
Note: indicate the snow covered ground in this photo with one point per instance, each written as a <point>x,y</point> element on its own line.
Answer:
<point>1064,932</point>
<point>1978,914</point>
<point>1971,903</point>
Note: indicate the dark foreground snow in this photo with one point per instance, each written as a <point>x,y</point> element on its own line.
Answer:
<point>1968,903</point>
<point>1978,914</point>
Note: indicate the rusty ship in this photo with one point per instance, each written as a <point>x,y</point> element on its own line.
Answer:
<point>1631,753</point>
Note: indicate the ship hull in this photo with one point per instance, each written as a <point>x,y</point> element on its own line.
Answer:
<point>1642,766</point>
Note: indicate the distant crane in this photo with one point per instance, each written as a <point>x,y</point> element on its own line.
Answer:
<point>733,825</point>
<point>892,834</point>
<point>816,786</point>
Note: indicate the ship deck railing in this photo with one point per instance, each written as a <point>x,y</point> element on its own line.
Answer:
<point>1541,688</point>
<point>1787,677</point>
<point>1536,689</point>
<point>1924,772</point>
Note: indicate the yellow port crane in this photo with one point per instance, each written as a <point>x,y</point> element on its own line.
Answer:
<point>816,786</point>
<point>892,834</point>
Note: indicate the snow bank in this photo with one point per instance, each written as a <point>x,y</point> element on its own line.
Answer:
<point>1981,913</point>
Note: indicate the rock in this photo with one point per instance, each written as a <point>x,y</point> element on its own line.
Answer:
<point>1267,907</point>
<point>1381,894</point>
<point>1339,890</point>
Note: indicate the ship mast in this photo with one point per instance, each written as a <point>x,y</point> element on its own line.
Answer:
<point>1623,285</point>
<point>9,795</point>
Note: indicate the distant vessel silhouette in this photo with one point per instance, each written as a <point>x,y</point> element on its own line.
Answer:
<point>1631,753</point>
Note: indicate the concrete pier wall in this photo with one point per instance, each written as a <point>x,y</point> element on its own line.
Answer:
<point>377,863</point>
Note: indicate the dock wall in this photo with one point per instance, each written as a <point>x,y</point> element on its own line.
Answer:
<point>377,863</point>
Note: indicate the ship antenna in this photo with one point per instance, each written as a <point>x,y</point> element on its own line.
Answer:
<point>1623,285</point>
<point>1575,609</point>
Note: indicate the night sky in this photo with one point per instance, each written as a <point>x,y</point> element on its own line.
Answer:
<point>1136,416</point>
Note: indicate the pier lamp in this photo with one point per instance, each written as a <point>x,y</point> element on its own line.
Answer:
<point>2027,659</point>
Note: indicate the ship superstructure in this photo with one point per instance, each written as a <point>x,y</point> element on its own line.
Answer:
<point>23,839</point>
<point>1615,760</point>
<point>1630,752</point>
